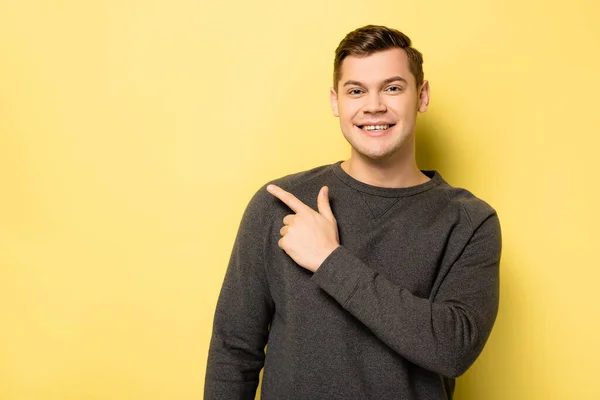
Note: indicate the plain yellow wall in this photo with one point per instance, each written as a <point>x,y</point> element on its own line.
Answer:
<point>133,133</point>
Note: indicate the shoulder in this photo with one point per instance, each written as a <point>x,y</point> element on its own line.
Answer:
<point>308,178</point>
<point>304,185</point>
<point>475,209</point>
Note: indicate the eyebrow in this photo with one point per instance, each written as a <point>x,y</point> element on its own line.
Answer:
<point>385,82</point>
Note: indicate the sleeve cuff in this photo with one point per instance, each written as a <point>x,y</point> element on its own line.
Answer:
<point>341,274</point>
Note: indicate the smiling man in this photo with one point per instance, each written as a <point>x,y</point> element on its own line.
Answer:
<point>367,278</point>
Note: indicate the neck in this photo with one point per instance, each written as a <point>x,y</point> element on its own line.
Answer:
<point>393,172</point>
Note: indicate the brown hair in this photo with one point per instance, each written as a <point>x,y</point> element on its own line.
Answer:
<point>371,39</point>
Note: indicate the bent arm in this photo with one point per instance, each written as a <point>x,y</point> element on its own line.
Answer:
<point>444,334</point>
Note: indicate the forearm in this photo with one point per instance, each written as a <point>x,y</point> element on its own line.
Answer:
<point>236,354</point>
<point>217,389</point>
<point>444,334</point>
<point>232,370</point>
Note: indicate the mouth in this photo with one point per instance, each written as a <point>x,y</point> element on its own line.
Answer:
<point>375,130</point>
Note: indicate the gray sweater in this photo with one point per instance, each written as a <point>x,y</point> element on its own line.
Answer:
<point>400,309</point>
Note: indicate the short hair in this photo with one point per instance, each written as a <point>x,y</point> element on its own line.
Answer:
<point>370,39</point>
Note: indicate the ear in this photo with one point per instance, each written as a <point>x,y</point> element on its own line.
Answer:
<point>424,94</point>
<point>333,97</point>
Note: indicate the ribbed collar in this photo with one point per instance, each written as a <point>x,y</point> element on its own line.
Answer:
<point>435,180</point>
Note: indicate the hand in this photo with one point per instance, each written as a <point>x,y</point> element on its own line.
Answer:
<point>308,237</point>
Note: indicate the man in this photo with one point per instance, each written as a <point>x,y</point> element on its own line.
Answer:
<point>368,278</point>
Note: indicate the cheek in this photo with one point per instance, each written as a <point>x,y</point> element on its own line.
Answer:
<point>401,105</point>
<point>348,112</point>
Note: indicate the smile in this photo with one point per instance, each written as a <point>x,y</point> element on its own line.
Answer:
<point>374,127</point>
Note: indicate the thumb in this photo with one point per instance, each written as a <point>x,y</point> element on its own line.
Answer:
<point>323,204</point>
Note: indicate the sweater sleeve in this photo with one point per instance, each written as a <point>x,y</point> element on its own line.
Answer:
<point>243,314</point>
<point>444,334</point>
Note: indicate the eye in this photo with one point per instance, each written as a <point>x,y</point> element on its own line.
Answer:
<point>355,92</point>
<point>394,89</point>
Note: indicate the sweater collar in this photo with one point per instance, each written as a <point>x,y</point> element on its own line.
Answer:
<point>435,180</point>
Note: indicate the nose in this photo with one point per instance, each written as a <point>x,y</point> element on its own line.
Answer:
<point>374,104</point>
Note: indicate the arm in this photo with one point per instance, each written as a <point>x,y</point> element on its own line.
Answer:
<point>445,334</point>
<point>243,314</point>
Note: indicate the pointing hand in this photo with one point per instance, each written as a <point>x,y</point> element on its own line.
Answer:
<point>307,236</point>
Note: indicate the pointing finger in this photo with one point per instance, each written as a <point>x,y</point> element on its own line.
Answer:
<point>289,199</point>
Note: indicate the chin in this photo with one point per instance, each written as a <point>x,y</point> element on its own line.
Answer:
<point>375,156</point>
<point>377,149</point>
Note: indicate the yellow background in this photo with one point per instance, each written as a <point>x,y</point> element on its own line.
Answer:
<point>133,133</point>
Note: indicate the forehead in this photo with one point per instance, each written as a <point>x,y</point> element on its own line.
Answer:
<point>376,67</point>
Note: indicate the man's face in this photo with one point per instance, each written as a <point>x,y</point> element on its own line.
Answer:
<point>377,103</point>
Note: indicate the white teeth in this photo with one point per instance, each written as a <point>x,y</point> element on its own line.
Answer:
<point>375,127</point>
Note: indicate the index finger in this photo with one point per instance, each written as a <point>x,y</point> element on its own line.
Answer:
<point>289,199</point>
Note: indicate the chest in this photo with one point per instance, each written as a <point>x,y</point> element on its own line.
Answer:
<point>409,243</point>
